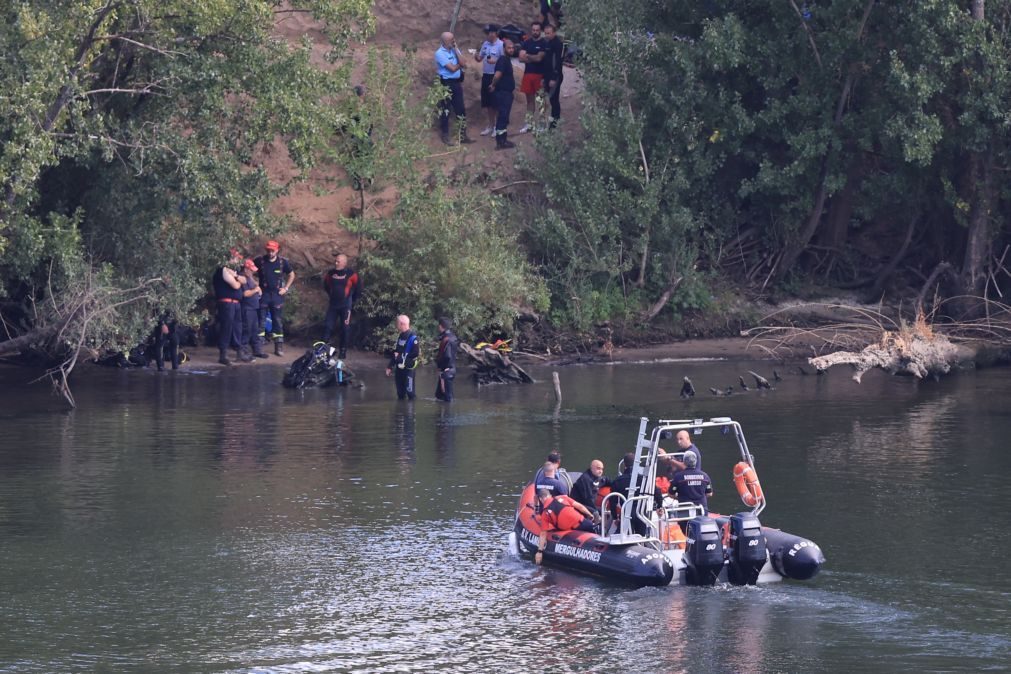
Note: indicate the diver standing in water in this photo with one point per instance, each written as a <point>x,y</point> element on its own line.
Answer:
<point>445,361</point>
<point>405,359</point>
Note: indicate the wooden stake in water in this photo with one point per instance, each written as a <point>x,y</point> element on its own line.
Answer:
<point>558,386</point>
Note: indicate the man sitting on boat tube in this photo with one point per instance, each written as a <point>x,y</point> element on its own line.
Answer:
<point>562,513</point>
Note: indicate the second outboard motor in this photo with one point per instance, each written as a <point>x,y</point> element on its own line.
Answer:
<point>747,551</point>
<point>793,556</point>
<point>703,552</point>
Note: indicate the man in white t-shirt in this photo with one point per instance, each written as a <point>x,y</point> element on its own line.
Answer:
<point>488,55</point>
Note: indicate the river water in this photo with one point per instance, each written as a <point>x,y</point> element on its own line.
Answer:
<point>215,522</point>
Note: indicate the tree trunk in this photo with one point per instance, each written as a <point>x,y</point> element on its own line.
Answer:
<point>794,250</point>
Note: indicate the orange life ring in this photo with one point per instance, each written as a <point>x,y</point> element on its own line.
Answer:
<point>748,486</point>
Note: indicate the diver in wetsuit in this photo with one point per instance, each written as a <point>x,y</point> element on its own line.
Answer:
<point>405,359</point>
<point>445,361</point>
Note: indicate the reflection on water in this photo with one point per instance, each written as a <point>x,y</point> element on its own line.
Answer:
<point>221,523</point>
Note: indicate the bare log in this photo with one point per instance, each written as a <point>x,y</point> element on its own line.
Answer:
<point>492,366</point>
<point>906,352</point>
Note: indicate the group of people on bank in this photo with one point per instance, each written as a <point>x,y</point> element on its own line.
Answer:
<point>250,294</point>
<point>541,53</point>
<point>579,508</point>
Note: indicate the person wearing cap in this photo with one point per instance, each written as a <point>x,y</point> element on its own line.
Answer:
<point>276,277</point>
<point>342,286</point>
<point>489,53</point>
<point>250,342</point>
<point>692,484</point>
<point>503,84</point>
<point>404,359</point>
<point>227,293</point>
<point>445,360</point>
<point>449,64</point>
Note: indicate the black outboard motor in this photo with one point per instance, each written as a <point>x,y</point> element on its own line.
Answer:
<point>747,551</point>
<point>793,556</point>
<point>703,552</point>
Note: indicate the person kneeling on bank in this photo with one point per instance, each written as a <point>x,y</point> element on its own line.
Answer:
<point>562,513</point>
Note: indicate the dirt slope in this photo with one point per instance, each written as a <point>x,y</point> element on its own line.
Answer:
<point>315,207</point>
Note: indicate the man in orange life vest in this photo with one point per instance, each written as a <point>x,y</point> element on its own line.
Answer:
<point>562,513</point>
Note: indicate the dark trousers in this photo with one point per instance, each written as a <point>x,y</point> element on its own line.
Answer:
<point>229,325</point>
<point>275,304</point>
<point>251,329</point>
<point>504,105</point>
<point>335,317</point>
<point>405,383</point>
<point>556,106</point>
<point>444,386</point>
<point>171,341</point>
<point>455,103</point>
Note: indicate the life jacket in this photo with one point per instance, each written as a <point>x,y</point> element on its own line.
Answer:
<point>561,514</point>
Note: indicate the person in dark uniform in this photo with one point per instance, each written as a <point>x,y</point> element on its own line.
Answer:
<point>249,308</point>
<point>547,478</point>
<point>588,485</point>
<point>551,8</point>
<point>165,335</point>
<point>445,360</point>
<point>342,285</point>
<point>692,485</point>
<point>502,86</point>
<point>553,75</point>
<point>405,359</point>
<point>276,277</point>
<point>559,512</point>
<point>227,293</point>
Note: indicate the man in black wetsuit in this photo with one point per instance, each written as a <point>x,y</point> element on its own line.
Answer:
<point>276,277</point>
<point>342,285</point>
<point>553,75</point>
<point>445,361</point>
<point>405,359</point>
<point>588,485</point>
<point>165,335</point>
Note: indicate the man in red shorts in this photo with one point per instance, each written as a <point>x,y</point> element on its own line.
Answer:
<point>532,53</point>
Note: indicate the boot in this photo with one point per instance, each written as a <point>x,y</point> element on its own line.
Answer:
<point>278,347</point>
<point>503,143</point>
<point>445,139</point>
<point>245,356</point>
<point>464,138</point>
<point>223,358</point>
<point>259,353</point>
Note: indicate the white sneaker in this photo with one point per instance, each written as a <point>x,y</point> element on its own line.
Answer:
<point>526,127</point>
<point>487,131</point>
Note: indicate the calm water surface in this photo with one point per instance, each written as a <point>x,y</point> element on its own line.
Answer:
<point>215,522</point>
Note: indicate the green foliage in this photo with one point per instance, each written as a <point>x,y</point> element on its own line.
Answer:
<point>131,131</point>
<point>448,250</point>
<point>709,121</point>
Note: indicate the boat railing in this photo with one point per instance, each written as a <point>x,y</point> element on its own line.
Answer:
<point>670,533</point>
<point>619,536</point>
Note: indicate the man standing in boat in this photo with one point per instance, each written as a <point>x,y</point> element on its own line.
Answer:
<point>588,485</point>
<point>692,485</point>
<point>548,481</point>
<point>686,445</point>
<point>405,359</point>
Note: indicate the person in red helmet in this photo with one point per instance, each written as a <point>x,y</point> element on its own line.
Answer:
<point>276,277</point>
<point>249,308</point>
